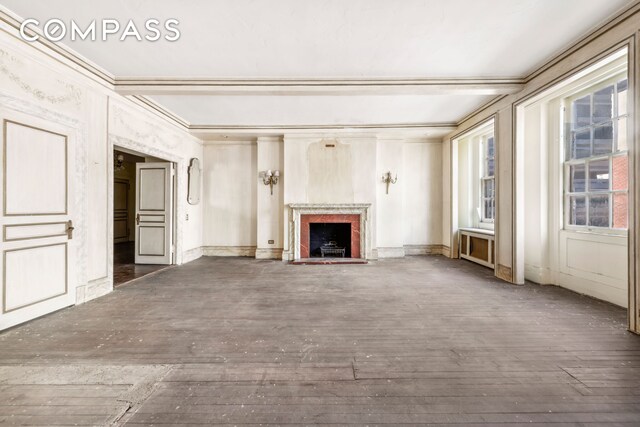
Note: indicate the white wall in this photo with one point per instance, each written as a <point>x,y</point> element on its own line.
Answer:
<point>536,210</point>
<point>270,207</point>
<point>241,216</point>
<point>390,213</point>
<point>317,173</point>
<point>229,197</point>
<point>330,169</point>
<point>422,206</point>
<point>408,220</point>
<point>56,90</point>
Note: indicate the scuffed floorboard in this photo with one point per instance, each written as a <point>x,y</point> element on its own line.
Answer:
<point>419,340</point>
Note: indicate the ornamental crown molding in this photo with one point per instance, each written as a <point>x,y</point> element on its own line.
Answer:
<point>329,205</point>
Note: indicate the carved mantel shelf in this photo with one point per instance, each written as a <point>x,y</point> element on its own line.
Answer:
<point>332,206</point>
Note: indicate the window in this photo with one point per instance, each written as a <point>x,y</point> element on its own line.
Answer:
<point>596,158</point>
<point>488,180</point>
<point>476,177</point>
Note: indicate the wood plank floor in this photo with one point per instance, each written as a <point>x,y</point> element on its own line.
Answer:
<point>125,268</point>
<point>419,340</point>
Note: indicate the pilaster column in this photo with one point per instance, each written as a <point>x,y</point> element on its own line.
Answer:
<point>270,229</point>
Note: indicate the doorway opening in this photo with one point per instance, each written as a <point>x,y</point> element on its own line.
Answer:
<point>143,210</point>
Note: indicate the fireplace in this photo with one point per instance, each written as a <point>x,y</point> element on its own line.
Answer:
<point>329,234</point>
<point>335,230</point>
<point>330,240</point>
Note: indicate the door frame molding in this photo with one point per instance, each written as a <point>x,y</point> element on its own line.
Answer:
<point>115,142</point>
<point>126,211</point>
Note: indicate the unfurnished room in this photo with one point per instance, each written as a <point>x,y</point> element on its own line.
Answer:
<point>320,212</point>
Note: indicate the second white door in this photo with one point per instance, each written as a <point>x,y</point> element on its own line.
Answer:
<point>154,213</point>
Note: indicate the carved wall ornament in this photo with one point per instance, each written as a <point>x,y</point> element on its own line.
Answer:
<point>194,171</point>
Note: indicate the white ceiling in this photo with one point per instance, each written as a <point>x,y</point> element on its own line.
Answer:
<point>319,39</point>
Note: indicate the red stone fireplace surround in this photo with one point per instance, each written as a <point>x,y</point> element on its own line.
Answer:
<point>306,219</point>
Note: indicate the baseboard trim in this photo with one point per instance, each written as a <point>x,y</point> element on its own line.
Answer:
<point>390,252</point>
<point>505,273</point>
<point>93,290</point>
<point>269,253</point>
<point>247,251</point>
<point>191,254</point>
<point>539,275</point>
<point>425,249</point>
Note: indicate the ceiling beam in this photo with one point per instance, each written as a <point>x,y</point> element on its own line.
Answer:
<point>247,87</point>
<point>217,132</point>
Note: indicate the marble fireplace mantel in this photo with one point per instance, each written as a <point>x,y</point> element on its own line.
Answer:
<point>299,209</point>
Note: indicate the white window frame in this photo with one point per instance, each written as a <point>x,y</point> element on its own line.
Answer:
<point>567,163</point>
<point>484,168</point>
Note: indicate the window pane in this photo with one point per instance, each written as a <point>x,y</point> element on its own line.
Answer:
<point>490,147</point>
<point>599,211</point>
<point>622,134</point>
<point>577,211</point>
<point>487,190</point>
<point>603,105</point>
<point>622,97</point>
<point>599,175</point>
<point>620,169</point>
<point>580,144</point>
<point>581,112</point>
<point>489,208</point>
<point>491,167</point>
<point>603,139</point>
<point>577,179</point>
<point>620,210</point>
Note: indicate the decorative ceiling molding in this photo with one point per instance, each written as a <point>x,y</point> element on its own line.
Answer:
<point>323,127</point>
<point>214,132</point>
<point>612,22</point>
<point>248,87</point>
<point>10,23</point>
<point>159,109</point>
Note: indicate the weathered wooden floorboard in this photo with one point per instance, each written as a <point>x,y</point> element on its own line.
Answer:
<point>413,341</point>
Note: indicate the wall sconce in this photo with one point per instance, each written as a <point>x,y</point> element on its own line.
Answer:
<point>386,178</point>
<point>118,162</point>
<point>270,178</point>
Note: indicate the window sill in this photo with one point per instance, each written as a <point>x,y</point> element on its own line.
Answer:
<point>596,232</point>
<point>486,226</point>
<point>478,230</point>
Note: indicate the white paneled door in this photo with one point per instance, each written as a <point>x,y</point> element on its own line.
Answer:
<point>38,250</point>
<point>154,213</point>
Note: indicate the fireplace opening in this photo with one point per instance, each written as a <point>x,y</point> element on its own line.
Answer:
<point>330,240</point>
